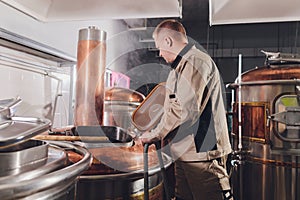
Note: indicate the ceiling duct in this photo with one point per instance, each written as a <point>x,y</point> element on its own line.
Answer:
<point>136,24</point>
<point>254,11</point>
<point>71,10</point>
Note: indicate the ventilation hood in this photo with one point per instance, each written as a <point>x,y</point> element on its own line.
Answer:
<point>71,10</point>
<point>254,11</point>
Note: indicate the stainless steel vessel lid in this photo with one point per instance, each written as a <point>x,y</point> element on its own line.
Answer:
<point>92,33</point>
<point>15,130</point>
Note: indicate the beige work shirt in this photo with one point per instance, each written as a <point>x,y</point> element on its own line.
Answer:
<point>198,81</point>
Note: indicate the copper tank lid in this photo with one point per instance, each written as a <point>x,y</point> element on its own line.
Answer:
<point>123,94</point>
<point>278,66</point>
<point>278,72</point>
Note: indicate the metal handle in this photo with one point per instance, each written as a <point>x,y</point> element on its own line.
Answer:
<point>6,110</point>
<point>146,175</point>
<point>162,169</point>
<point>297,91</point>
<point>290,119</point>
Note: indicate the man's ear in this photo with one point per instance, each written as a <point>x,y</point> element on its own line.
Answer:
<point>169,41</point>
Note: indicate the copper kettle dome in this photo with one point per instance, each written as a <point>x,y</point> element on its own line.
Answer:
<point>278,66</point>
<point>281,72</point>
<point>123,94</point>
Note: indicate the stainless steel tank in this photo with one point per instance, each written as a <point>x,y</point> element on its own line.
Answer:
<point>267,166</point>
<point>33,169</point>
<point>119,105</point>
<point>55,178</point>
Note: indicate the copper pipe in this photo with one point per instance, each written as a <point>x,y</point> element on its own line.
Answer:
<point>91,61</point>
<point>72,138</point>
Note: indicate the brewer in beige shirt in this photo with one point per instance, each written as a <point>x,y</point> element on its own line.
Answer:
<point>194,118</point>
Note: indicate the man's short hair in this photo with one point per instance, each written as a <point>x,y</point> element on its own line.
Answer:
<point>172,26</point>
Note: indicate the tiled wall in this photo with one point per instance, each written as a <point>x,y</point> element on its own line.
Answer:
<point>36,86</point>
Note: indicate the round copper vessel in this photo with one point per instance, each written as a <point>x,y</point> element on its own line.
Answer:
<point>119,94</point>
<point>285,72</point>
<point>117,173</point>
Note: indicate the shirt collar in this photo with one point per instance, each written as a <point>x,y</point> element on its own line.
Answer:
<point>180,55</point>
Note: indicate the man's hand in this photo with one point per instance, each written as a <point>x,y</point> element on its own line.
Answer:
<point>149,137</point>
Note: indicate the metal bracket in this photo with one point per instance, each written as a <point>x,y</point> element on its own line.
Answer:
<point>290,117</point>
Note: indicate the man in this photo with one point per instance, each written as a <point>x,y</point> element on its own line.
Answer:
<point>194,118</point>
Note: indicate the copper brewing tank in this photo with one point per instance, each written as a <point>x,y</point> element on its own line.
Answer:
<point>91,60</point>
<point>267,167</point>
<point>117,173</point>
<point>260,87</point>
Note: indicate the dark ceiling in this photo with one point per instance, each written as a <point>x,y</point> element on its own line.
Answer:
<point>195,10</point>
<point>195,18</point>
